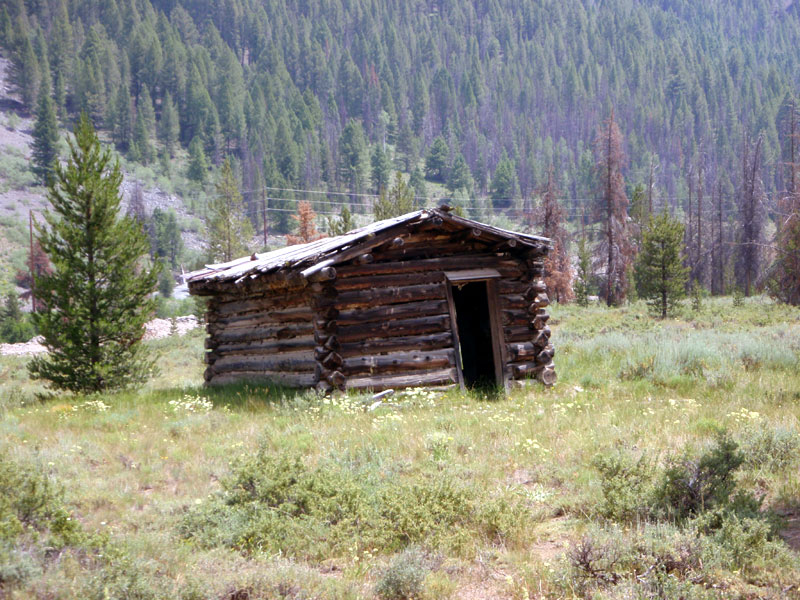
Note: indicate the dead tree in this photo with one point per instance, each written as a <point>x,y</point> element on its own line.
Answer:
<point>616,244</point>
<point>751,214</point>
<point>558,270</point>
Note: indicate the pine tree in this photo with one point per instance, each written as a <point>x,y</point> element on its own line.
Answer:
<point>352,147</point>
<point>613,210</point>
<point>97,299</point>
<point>436,161</point>
<point>144,128</point>
<point>14,326</point>
<point>45,136</point>
<point>381,168</point>
<point>169,128</point>
<point>459,177</point>
<point>341,224</point>
<point>229,229</point>
<point>119,117</point>
<point>661,276</point>
<point>583,281</point>
<point>198,164</point>
<point>504,183</point>
<point>25,73</point>
<point>417,184</point>
<point>397,201</point>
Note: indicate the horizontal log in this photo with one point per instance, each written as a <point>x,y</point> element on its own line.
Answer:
<point>514,318</point>
<point>301,314</point>
<point>332,361</point>
<point>513,301</point>
<point>392,295</point>
<point>261,303</point>
<point>397,344</point>
<point>540,321</point>
<point>364,259</point>
<point>326,326</point>
<point>451,263</point>
<point>547,375</point>
<point>294,380</point>
<point>518,334</point>
<point>210,343</point>
<point>289,362</point>
<point>545,355</point>
<point>392,280</point>
<point>336,379</point>
<point>399,362</point>
<point>539,286</point>
<point>522,351</point>
<point>392,311</point>
<point>269,346</point>
<point>542,300</point>
<point>525,369</point>
<point>512,286</point>
<point>542,337</point>
<point>324,274</point>
<point>287,331</point>
<point>423,378</point>
<point>394,328</point>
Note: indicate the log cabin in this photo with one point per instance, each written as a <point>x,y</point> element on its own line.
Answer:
<point>425,299</point>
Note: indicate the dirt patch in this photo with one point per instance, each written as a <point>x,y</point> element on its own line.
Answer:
<point>791,533</point>
<point>154,330</point>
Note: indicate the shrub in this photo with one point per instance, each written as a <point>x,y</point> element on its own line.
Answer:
<point>34,523</point>
<point>692,485</point>
<point>626,484</point>
<point>771,449</point>
<point>276,502</point>
<point>404,578</point>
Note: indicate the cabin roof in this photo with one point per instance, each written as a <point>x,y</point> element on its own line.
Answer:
<point>313,256</point>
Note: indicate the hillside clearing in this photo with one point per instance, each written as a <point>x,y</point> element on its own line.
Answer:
<point>479,497</point>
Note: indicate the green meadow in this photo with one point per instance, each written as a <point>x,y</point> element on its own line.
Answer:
<point>665,463</point>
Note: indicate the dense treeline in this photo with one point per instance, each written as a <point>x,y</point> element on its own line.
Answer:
<point>296,90</point>
<point>483,97</point>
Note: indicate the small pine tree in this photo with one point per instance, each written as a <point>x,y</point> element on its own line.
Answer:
<point>14,326</point>
<point>436,161</point>
<point>397,201</point>
<point>582,283</point>
<point>98,297</point>
<point>341,224</point>
<point>306,220</point>
<point>660,273</point>
<point>229,229</point>
<point>381,168</point>
<point>198,164</point>
<point>45,135</point>
<point>169,128</point>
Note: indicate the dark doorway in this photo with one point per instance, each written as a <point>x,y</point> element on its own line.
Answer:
<point>471,303</point>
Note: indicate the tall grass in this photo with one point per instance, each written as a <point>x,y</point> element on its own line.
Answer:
<point>264,492</point>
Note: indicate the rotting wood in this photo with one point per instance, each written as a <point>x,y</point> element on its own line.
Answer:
<point>451,263</point>
<point>393,328</point>
<point>399,361</point>
<point>378,383</point>
<point>392,312</point>
<point>391,295</point>
<point>270,346</point>
<point>275,363</point>
<point>397,344</point>
<point>294,380</point>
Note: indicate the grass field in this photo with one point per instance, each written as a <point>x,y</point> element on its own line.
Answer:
<point>664,464</point>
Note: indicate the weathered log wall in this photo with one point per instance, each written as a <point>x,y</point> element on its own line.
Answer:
<point>266,335</point>
<point>379,320</point>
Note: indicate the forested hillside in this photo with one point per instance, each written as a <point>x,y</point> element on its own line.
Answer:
<point>308,95</point>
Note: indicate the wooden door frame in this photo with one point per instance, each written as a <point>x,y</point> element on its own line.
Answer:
<point>489,277</point>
